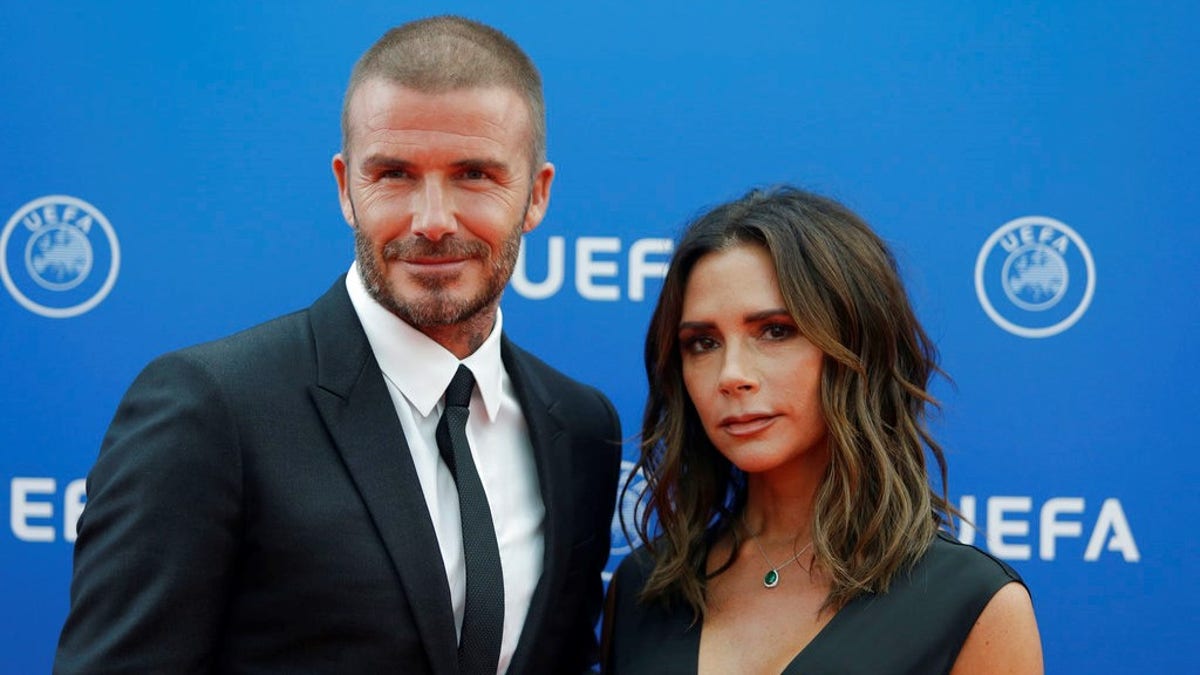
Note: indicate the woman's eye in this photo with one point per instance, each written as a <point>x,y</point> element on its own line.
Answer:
<point>699,344</point>
<point>778,331</point>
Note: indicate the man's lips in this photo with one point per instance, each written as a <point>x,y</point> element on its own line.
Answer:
<point>748,424</point>
<point>434,264</point>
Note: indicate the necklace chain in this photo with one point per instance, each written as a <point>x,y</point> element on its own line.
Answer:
<point>771,578</point>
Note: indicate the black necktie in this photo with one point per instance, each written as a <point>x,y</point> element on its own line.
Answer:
<point>483,618</point>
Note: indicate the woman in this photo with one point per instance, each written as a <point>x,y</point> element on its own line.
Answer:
<point>790,522</point>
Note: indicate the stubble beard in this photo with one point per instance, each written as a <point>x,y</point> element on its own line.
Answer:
<point>437,306</point>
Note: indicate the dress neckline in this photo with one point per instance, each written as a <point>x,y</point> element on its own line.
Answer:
<point>796,660</point>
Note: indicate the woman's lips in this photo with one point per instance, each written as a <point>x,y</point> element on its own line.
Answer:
<point>746,425</point>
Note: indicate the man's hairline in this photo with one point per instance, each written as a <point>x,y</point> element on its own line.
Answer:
<point>535,164</point>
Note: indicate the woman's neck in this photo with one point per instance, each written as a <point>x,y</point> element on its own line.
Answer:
<point>780,503</point>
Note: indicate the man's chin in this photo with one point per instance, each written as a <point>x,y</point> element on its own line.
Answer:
<point>433,308</point>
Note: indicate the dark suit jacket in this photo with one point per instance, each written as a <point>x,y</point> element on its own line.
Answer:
<point>254,508</point>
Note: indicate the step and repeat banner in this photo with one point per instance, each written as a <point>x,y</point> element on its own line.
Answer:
<point>167,181</point>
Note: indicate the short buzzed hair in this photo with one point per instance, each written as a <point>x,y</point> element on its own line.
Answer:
<point>448,53</point>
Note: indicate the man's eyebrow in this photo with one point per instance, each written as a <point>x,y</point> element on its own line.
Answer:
<point>482,164</point>
<point>375,162</point>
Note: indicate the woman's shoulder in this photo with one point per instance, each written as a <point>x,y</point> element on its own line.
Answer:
<point>955,561</point>
<point>634,569</point>
<point>923,619</point>
<point>647,636</point>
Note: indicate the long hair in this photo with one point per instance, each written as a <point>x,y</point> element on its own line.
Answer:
<point>875,510</point>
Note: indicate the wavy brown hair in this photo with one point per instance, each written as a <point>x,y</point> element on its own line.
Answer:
<point>876,511</point>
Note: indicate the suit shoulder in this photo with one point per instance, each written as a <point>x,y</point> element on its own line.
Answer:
<point>559,383</point>
<point>278,341</point>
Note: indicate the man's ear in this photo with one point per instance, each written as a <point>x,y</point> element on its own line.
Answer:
<point>340,171</point>
<point>539,197</point>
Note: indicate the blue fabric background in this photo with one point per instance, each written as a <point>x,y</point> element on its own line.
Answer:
<point>203,132</point>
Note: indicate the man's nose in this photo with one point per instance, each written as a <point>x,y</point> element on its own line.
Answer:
<point>433,214</point>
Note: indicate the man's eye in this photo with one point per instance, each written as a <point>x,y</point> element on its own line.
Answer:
<point>394,174</point>
<point>474,174</point>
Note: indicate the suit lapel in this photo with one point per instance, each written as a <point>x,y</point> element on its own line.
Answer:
<point>551,449</point>
<point>355,405</point>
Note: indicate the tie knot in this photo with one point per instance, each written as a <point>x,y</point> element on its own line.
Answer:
<point>459,391</point>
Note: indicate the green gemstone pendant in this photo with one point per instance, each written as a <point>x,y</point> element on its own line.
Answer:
<point>771,579</point>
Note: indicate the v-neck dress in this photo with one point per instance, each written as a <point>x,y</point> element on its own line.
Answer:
<point>917,627</point>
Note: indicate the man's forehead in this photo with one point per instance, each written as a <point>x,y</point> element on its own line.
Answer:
<point>397,93</point>
<point>493,110</point>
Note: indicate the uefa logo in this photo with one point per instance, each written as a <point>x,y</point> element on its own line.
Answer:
<point>59,256</point>
<point>1035,277</point>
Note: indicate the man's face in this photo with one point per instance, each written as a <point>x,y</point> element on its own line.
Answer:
<point>439,189</point>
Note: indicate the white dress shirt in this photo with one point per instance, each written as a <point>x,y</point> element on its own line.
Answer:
<point>417,371</point>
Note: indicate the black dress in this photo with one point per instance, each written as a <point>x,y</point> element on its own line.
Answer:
<point>917,627</point>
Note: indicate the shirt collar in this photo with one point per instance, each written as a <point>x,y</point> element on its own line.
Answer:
<point>419,367</point>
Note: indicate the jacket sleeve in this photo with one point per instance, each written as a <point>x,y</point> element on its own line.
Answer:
<point>159,535</point>
<point>606,468</point>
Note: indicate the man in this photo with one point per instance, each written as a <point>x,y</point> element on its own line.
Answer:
<point>295,498</point>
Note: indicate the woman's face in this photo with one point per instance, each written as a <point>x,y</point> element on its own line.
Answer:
<point>753,378</point>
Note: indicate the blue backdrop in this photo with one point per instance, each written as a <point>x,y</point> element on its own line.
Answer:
<point>167,181</point>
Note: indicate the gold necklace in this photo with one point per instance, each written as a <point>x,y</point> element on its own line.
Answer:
<point>771,578</point>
